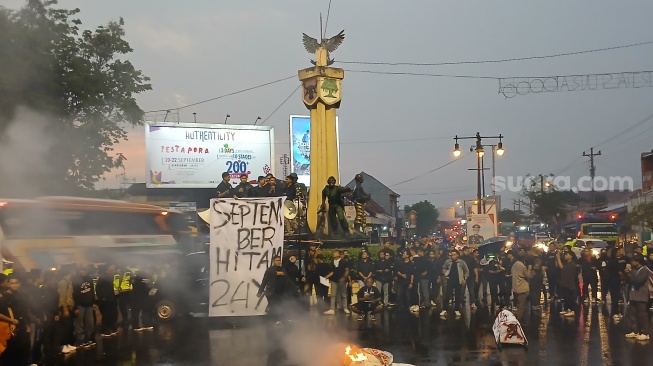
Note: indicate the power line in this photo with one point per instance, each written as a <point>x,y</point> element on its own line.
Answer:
<point>495,61</point>
<point>399,140</point>
<point>280,105</point>
<point>228,94</point>
<point>425,74</point>
<point>429,172</point>
<point>612,138</point>
<point>626,130</point>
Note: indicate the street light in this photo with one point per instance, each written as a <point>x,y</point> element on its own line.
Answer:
<point>479,153</point>
<point>500,149</point>
<point>456,150</point>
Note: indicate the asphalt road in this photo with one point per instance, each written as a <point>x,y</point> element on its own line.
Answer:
<point>591,338</point>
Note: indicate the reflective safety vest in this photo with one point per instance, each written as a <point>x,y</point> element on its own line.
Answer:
<point>8,271</point>
<point>570,243</point>
<point>126,282</point>
<point>116,282</point>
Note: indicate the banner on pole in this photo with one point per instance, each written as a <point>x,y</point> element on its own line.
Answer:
<point>245,235</point>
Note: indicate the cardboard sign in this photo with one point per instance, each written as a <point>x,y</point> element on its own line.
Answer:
<point>245,235</point>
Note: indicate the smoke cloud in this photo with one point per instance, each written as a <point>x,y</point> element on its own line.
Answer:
<point>24,148</point>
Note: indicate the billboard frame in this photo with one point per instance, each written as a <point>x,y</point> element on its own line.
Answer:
<point>292,154</point>
<point>216,126</point>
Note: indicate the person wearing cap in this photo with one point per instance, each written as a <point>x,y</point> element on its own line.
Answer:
<point>638,276</point>
<point>475,238</point>
<point>332,193</point>
<point>294,189</point>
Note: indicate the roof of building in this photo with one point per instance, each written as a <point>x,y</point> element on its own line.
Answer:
<point>370,180</point>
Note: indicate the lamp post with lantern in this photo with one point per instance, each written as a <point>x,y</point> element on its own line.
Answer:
<point>480,152</point>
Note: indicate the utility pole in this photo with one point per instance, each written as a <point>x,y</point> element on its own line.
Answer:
<point>591,155</point>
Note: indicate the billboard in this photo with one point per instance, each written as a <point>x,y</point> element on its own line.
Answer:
<point>193,155</point>
<point>300,148</point>
<point>481,225</point>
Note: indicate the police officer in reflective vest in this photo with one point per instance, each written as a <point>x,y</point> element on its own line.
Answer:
<point>122,282</point>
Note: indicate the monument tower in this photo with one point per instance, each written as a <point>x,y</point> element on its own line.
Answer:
<point>321,93</point>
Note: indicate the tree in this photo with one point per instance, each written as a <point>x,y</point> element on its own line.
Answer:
<point>427,217</point>
<point>78,80</point>
<point>549,204</point>
<point>507,215</point>
<point>330,86</point>
<point>641,214</point>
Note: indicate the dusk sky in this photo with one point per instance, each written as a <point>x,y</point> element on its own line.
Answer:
<point>398,127</point>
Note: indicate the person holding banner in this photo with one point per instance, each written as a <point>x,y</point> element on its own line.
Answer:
<point>243,189</point>
<point>276,285</point>
<point>224,188</point>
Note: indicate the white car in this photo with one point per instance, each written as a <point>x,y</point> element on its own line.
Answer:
<point>597,245</point>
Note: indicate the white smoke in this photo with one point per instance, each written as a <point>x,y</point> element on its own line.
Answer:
<point>24,148</point>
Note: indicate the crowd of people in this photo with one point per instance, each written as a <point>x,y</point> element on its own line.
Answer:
<point>267,186</point>
<point>422,275</point>
<point>45,315</point>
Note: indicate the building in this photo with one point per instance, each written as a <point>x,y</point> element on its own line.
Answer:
<point>384,198</point>
<point>381,194</point>
<point>647,171</point>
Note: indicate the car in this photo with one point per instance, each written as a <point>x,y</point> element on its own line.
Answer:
<point>185,290</point>
<point>596,244</point>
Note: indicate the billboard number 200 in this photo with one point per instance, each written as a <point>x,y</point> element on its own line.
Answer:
<point>236,167</point>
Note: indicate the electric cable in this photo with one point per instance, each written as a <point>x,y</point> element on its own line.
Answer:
<point>495,61</point>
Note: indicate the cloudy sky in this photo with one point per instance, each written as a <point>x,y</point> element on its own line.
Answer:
<point>398,127</point>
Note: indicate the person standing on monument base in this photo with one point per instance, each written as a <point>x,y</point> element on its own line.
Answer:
<point>332,193</point>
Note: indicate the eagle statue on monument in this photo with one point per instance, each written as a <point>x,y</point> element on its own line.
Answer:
<point>329,44</point>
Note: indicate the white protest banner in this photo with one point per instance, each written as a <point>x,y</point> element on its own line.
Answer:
<point>245,235</point>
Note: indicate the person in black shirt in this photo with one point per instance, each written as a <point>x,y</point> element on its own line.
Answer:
<point>332,193</point>
<point>602,263</point>
<point>422,277</point>
<point>108,301</point>
<point>457,273</point>
<point>387,248</point>
<point>84,299</point>
<point>365,269</point>
<point>383,275</point>
<point>588,269</point>
<point>276,285</point>
<point>552,271</point>
<point>321,270</point>
<point>18,346</point>
<point>369,300</point>
<point>243,188</point>
<point>224,188</point>
<point>496,280</point>
<point>142,304</point>
<point>472,281</point>
<point>405,280</point>
<point>338,281</point>
<point>261,190</point>
<point>293,271</point>
<point>8,357</point>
